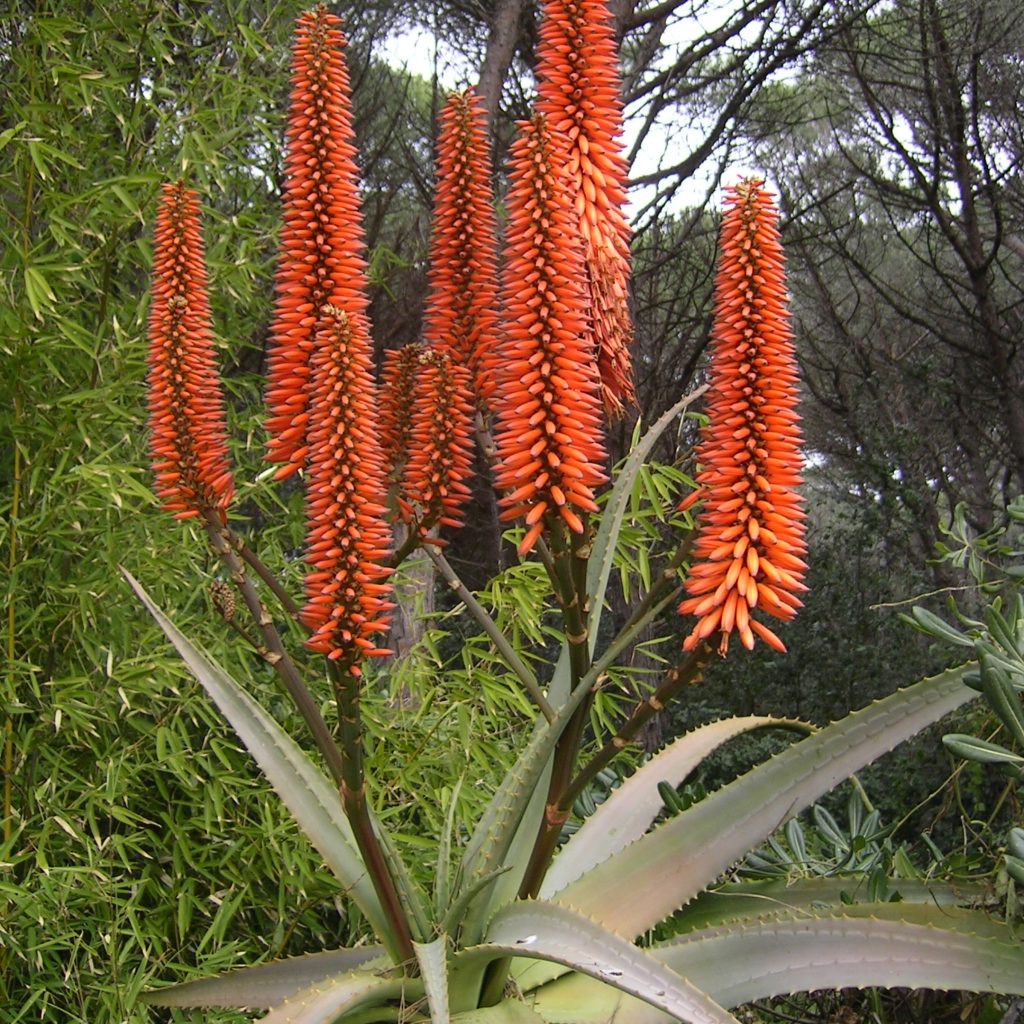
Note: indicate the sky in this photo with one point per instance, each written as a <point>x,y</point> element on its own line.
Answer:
<point>416,50</point>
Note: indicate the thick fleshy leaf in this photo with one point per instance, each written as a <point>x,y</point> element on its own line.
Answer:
<point>629,810</point>
<point>511,1011</point>
<point>324,1002</point>
<point>546,931</point>
<point>865,946</point>
<point>599,567</point>
<point>641,885</point>
<point>489,844</point>
<point>740,901</point>
<point>432,958</point>
<point>263,986</point>
<point>304,789</point>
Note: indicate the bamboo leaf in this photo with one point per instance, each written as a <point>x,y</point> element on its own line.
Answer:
<point>602,552</point>
<point>629,810</point>
<point>641,885</point>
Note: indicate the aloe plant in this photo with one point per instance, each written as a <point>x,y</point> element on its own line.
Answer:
<point>522,925</point>
<point>576,953</point>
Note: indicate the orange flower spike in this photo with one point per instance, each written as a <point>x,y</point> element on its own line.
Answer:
<point>347,538</point>
<point>398,382</point>
<point>321,246</point>
<point>750,546</point>
<point>188,441</point>
<point>440,444</point>
<point>461,310</point>
<point>579,92</point>
<point>550,449</point>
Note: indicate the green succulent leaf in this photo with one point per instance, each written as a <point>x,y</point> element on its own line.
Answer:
<point>517,833</point>
<point>510,1011</point>
<point>433,961</point>
<point>546,931</point>
<point>496,829</point>
<point>304,789</point>
<point>325,1001</point>
<point>629,810</point>
<point>264,986</point>
<point>884,944</point>
<point>636,888</point>
<point>739,901</point>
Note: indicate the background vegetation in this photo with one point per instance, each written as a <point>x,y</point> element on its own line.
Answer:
<point>138,841</point>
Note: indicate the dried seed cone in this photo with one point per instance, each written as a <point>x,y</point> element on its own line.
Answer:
<point>461,311</point>
<point>579,92</point>
<point>188,435</point>
<point>347,539</point>
<point>548,411</point>
<point>321,247</point>
<point>749,552</point>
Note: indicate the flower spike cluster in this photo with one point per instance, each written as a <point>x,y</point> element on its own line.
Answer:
<point>750,546</point>
<point>461,311</point>
<point>321,248</point>
<point>548,434</point>
<point>398,387</point>
<point>440,442</point>
<point>186,411</point>
<point>579,92</point>
<point>347,538</point>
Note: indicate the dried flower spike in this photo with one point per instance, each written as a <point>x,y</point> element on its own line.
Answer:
<point>461,311</point>
<point>347,539</point>
<point>579,92</point>
<point>750,546</point>
<point>186,410</point>
<point>321,248</point>
<point>548,433</point>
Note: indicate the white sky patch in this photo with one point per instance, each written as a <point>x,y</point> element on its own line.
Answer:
<point>417,50</point>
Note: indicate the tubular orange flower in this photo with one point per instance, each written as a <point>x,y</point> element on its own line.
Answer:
<point>186,411</point>
<point>460,313</point>
<point>321,245</point>
<point>398,384</point>
<point>440,443</point>
<point>548,409</point>
<point>749,549</point>
<point>579,92</point>
<point>347,539</point>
